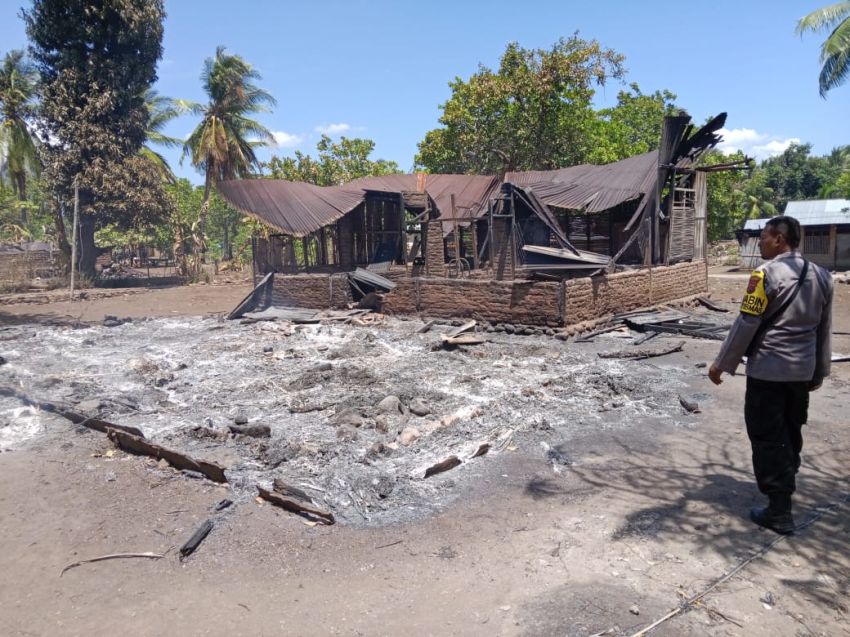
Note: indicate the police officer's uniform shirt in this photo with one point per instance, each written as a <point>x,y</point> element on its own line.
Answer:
<point>796,347</point>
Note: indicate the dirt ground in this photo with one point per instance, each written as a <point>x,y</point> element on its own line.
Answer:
<point>607,540</point>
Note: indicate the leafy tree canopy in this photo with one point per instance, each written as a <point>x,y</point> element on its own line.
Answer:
<point>534,112</point>
<point>18,153</point>
<point>337,163</point>
<point>96,60</point>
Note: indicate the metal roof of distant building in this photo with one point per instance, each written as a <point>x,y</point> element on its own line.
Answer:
<point>815,212</point>
<point>819,212</point>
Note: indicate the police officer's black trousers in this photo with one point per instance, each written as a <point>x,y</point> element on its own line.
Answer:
<point>775,413</point>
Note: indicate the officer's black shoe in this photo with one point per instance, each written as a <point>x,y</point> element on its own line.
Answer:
<point>782,523</point>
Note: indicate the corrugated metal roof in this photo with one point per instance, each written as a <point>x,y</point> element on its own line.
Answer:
<point>591,188</point>
<point>816,212</point>
<point>294,208</point>
<point>819,211</point>
<point>471,192</point>
<point>297,208</point>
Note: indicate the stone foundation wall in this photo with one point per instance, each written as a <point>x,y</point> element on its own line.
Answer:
<point>435,252</point>
<point>315,291</point>
<point>524,302</point>
<point>20,266</point>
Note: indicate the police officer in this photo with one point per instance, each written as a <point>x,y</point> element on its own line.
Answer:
<point>784,330</point>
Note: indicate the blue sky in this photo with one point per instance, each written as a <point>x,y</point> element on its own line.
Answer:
<point>380,69</point>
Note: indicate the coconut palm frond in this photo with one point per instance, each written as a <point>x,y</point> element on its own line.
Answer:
<point>835,51</point>
<point>823,19</point>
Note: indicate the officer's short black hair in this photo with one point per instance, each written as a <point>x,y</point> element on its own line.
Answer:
<point>788,227</point>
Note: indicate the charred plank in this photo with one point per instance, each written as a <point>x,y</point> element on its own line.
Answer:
<point>97,424</point>
<point>297,506</point>
<point>134,444</point>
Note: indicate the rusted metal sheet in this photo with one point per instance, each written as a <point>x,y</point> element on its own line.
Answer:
<point>296,209</point>
<point>592,188</point>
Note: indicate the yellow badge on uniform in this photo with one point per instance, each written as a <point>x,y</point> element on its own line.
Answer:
<point>755,300</point>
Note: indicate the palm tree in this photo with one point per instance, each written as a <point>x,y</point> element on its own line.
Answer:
<point>162,110</point>
<point>835,51</point>
<point>223,144</point>
<point>18,154</point>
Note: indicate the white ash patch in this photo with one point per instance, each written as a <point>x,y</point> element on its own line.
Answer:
<point>318,387</point>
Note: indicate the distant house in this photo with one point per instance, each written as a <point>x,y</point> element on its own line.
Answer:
<point>826,233</point>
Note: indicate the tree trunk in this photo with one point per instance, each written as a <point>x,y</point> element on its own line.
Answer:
<point>199,227</point>
<point>62,239</point>
<point>21,179</point>
<point>88,251</point>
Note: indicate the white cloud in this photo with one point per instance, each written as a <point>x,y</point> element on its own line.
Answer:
<point>333,129</point>
<point>754,144</point>
<point>775,147</point>
<point>282,139</point>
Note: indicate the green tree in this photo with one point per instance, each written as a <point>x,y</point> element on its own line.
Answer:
<point>793,175</point>
<point>534,112</point>
<point>222,146</point>
<point>835,50</point>
<point>18,154</point>
<point>337,163</point>
<point>633,126</point>
<point>725,211</point>
<point>96,60</point>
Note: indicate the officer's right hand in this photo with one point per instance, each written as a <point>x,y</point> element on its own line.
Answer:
<point>714,373</point>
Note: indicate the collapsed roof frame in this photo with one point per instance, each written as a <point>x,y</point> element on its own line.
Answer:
<point>299,209</point>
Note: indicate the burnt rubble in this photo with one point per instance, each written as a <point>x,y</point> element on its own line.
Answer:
<point>370,422</point>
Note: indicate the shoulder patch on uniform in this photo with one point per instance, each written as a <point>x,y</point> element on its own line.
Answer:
<point>755,300</point>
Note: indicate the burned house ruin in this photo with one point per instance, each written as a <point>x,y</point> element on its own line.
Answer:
<point>542,247</point>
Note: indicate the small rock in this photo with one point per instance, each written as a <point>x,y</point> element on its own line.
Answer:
<point>162,381</point>
<point>528,331</point>
<point>3,360</point>
<point>322,367</point>
<point>268,349</point>
<point>381,423</point>
<point>383,485</point>
<point>347,433</point>
<point>110,476</point>
<point>509,328</point>
<point>549,331</point>
<point>378,449</point>
<point>351,417</point>
<point>408,436</point>
<point>277,452</point>
<point>163,463</point>
<point>202,432</point>
<point>89,406</point>
<point>240,419</point>
<point>418,407</point>
<point>254,431</point>
<point>634,609</point>
<point>390,405</point>
<point>701,365</point>
<point>562,336</point>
